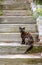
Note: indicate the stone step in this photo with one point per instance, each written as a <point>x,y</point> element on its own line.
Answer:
<point>13,44</point>
<point>17,6</point>
<point>17,19</point>
<point>10,2</point>
<point>17,13</point>
<point>14,48</point>
<point>14,28</point>
<point>20,57</point>
<point>20,61</point>
<point>14,37</point>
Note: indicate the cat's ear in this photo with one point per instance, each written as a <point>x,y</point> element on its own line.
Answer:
<point>24,28</point>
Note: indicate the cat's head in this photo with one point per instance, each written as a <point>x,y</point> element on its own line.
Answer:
<point>22,29</point>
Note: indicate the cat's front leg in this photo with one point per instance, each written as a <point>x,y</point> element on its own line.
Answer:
<point>23,41</point>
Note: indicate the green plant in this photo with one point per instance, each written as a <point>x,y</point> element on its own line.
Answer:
<point>39,11</point>
<point>1,12</point>
<point>38,2</point>
<point>1,2</point>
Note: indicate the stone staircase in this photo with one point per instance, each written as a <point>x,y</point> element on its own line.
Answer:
<point>16,14</point>
<point>17,19</point>
<point>10,32</point>
<point>16,60</point>
<point>15,4</point>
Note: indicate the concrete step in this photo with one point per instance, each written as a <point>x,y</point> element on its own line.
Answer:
<point>17,6</point>
<point>14,48</point>
<point>17,19</point>
<point>10,2</point>
<point>14,28</point>
<point>20,61</point>
<point>20,56</point>
<point>17,13</point>
<point>14,37</point>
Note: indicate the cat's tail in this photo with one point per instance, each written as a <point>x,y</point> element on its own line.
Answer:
<point>31,46</point>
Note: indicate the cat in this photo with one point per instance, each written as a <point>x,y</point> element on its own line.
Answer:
<point>26,39</point>
<point>26,36</point>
